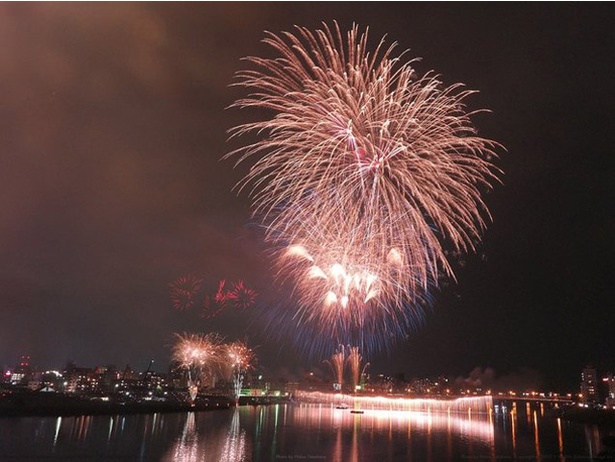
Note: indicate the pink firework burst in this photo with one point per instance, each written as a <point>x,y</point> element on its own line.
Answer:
<point>365,171</point>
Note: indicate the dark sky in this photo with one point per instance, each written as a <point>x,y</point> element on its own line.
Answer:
<point>113,124</point>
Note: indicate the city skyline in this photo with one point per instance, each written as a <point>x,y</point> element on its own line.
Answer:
<point>595,388</point>
<point>112,185</point>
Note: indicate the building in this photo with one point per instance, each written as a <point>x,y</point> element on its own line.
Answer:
<point>22,373</point>
<point>589,386</point>
<point>610,398</point>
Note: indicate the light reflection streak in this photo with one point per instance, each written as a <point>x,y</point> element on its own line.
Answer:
<point>354,448</point>
<point>57,432</point>
<point>492,442</point>
<point>560,440</point>
<point>477,405</point>
<point>234,449</point>
<point>333,434</point>
<point>592,436</point>
<point>186,448</point>
<point>110,430</point>
<point>409,437</point>
<point>478,428</point>
<point>536,437</point>
<point>429,426</point>
<point>144,438</point>
<point>449,436</point>
<point>513,430</point>
<point>276,417</point>
<point>83,426</point>
<point>219,446</point>
<point>337,455</point>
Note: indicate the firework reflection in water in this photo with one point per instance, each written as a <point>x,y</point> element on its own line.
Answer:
<point>223,445</point>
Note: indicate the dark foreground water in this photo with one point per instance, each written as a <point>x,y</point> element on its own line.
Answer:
<point>307,432</point>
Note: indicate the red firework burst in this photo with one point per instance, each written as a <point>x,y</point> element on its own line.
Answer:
<point>237,296</point>
<point>242,296</point>
<point>183,291</point>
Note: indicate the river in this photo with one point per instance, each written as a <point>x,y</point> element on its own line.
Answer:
<point>304,432</point>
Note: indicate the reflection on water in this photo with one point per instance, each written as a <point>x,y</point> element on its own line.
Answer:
<point>517,431</point>
<point>217,444</point>
<point>186,448</point>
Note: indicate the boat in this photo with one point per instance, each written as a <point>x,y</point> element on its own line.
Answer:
<point>357,411</point>
<point>342,406</point>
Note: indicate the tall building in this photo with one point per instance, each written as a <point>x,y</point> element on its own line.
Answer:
<point>589,386</point>
<point>23,372</point>
<point>610,399</point>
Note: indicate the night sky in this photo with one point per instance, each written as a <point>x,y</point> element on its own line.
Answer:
<point>113,123</point>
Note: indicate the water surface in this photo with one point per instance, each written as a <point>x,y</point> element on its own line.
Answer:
<point>304,432</point>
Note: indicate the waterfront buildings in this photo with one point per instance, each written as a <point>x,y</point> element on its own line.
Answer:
<point>589,386</point>
<point>610,398</point>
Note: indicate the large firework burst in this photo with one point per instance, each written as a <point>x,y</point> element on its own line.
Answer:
<point>363,173</point>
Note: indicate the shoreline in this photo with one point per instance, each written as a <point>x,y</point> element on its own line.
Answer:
<point>62,405</point>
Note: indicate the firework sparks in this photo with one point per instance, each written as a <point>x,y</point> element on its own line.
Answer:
<point>205,357</point>
<point>242,296</point>
<point>238,296</point>
<point>344,295</point>
<point>239,356</point>
<point>221,296</point>
<point>200,355</point>
<point>239,359</point>
<point>365,170</point>
<point>337,363</point>
<point>354,361</point>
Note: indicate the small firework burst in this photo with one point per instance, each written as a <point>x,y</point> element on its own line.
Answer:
<point>183,291</point>
<point>241,296</point>
<point>239,357</point>
<point>337,363</point>
<point>234,295</point>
